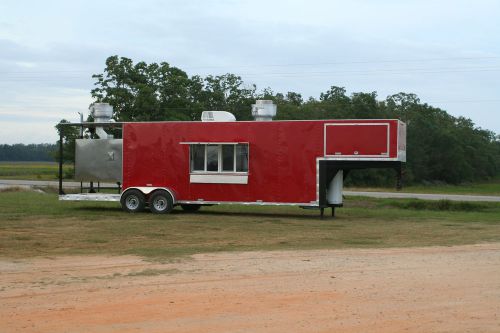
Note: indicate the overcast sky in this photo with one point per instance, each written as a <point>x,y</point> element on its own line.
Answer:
<point>447,52</point>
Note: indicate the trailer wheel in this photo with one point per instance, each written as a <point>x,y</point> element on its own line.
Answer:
<point>190,207</point>
<point>161,202</point>
<point>133,201</point>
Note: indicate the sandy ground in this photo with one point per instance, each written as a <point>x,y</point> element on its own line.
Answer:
<point>438,289</point>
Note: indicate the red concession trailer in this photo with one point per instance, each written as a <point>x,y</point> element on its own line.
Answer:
<point>191,164</point>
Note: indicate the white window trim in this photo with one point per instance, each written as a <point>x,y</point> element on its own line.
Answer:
<point>218,178</point>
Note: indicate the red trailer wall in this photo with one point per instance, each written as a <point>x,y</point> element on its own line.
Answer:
<point>282,158</point>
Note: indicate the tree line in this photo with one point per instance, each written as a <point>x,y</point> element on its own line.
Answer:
<point>30,152</point>
<point>440,147</point>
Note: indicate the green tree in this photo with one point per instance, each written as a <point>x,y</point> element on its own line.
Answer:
<point>152,92</point>
<point>69,135</point>
<point>228,93</point>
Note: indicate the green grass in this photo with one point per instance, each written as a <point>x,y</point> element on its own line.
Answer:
<point>36,224</point>
<point>443,205</point>
<point>32,170</point>
<point>485,188</point>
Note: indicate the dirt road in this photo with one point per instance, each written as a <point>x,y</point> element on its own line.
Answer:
<point>453,289</point>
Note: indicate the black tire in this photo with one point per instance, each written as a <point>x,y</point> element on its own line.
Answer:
<point>133,201</point>
<point>161,202</point>
<point>191,207</point>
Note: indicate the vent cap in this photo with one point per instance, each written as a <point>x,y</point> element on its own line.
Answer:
<point>220,116</point>
<point>263,110</point>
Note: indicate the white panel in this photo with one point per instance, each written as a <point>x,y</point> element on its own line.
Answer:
<point>335,189</point>
<point>218,179</point>
<point>211,143</point>
<point>90,197</point>
<point>401,141</point>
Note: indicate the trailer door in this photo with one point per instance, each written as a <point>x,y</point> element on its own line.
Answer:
<point>353,140</point>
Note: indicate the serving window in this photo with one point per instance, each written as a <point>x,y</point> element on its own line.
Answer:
<point>223,159</point>
<point>219,158</point>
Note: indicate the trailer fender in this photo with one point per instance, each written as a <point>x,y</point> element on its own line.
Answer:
<point>146,190</point>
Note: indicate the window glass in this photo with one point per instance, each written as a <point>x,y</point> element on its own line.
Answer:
<point>212,158</point>
<point>197,157</point>
<point>242,158</point>
<point>227,157</point>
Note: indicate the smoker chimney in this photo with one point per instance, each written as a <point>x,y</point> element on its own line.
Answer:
<point>263,110</point>
<point>102,113</point>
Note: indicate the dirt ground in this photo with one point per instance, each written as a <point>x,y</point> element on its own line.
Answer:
<point>437,289</point>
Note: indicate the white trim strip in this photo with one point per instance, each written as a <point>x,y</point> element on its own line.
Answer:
<point>212,143</point>
<point>90,197</point>
<point>354,158</point>
<point>218,179</point>
<point>148,189</point>
<point>116,198</point>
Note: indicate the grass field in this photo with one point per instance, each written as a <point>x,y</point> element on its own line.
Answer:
<point>37,224</point>
<point>32,170</point>
<point>485,188</point>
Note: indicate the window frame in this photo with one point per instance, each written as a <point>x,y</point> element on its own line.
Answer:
<point>220,159</point>
<point>191,159</point>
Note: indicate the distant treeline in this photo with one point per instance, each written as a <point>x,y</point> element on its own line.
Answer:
<point>32,152</point>
<point>440,147</point>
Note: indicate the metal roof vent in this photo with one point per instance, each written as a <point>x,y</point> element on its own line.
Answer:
<point>217,116</point>
<point>263,110</point>
<point>102,113</point>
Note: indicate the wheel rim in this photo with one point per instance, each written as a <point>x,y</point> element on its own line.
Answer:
<point>132,202</point>
<point>160,203</point>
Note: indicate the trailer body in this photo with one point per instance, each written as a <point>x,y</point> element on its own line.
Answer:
<point>219,160</point>
<point>282,157</point>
